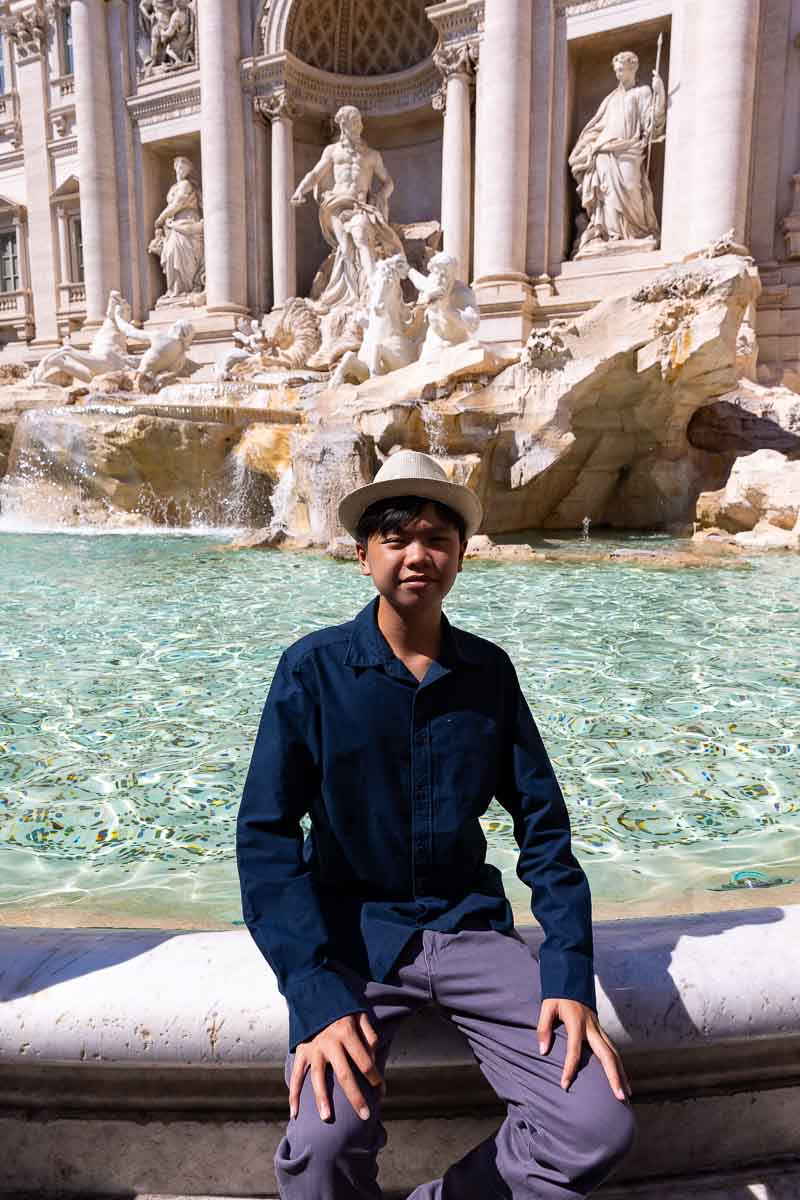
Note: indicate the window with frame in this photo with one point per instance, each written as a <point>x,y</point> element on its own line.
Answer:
<point>76,249</point>
<point>67,58</point>
<point>9,261</point>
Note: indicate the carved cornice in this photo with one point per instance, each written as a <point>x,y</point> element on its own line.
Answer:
<point>155,107</point>
<point>319,93</point>
<point>27,30</point>
<point>457,21</point>
<point>576,8</point>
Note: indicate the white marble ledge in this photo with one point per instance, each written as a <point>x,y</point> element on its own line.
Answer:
<point>170,998</point>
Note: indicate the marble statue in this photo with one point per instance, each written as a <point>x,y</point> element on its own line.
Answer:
<point>451,309</point>
<point>354,223</point>
<point>178,239</point>
<point>169,26</point>
<point>165,359</point>
<point>107,352</point>
<point>610,164</point>
<point>249,339</point>
<point>391,327</point>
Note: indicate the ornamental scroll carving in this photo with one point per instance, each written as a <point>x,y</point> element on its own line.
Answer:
<point>28,29</point>
<point>459,59</point>
<point>167,36</point>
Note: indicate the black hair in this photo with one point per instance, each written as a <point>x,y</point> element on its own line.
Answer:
<point>394,512</point>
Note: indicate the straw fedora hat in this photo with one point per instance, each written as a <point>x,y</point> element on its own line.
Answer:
<point>411,473</point>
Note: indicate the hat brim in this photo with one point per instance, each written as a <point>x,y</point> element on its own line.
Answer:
<point>454,495</point>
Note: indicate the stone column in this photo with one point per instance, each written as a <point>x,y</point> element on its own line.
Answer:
<point>280,111</point>
<point>222,147</point>
<point>502,142</point>
<point>96,157</point>
<point>457,66</point>
<point>32,85</point>
<point>65,275</point>
<point>727,40</point>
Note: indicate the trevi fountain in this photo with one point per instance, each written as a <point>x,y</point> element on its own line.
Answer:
<point>248,251</point>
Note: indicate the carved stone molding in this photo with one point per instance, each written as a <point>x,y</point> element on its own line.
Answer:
<point>27,31</point>
<point>276,105</point>
<point>320,93</point>
<point>576,8</point>
<point>153,109</point>
<point>457,22</point>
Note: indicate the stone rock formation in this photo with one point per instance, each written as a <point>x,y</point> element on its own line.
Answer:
<point>763,491</point>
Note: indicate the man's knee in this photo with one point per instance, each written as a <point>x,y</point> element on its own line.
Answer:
<point>317,1151</point>
<point>602,1136</point>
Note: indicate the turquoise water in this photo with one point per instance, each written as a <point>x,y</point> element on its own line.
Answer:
<point>134,669</point>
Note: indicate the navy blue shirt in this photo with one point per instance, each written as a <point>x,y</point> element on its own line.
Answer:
<point>395,774</point>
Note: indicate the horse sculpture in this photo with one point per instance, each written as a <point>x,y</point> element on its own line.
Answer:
<point>108,352</point>
<point>392,327</point>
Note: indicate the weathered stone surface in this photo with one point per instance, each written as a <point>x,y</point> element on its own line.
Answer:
<point>14,401</point>
<point>164,470</point>
<point>750,417</point>
<point>763,487</point>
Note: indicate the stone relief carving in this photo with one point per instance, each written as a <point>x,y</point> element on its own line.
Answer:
<point>168,35</point>
<point>28,29</point>
<point>675,284</point>
<point>178,239</point>
<point>610,162</point>
<point>457,59</point>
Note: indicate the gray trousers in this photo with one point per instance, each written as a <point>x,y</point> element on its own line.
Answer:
<point>552,1145</point>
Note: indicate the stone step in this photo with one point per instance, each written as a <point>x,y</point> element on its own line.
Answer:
<point>776,1181</point>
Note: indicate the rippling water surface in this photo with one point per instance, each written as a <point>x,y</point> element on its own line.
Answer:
<point>134,669</point>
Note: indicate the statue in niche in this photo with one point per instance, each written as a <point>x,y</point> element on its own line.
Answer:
<point>178,239</point>
<point>610,162</point>
<point>354,225</point>
<point>168,28</point>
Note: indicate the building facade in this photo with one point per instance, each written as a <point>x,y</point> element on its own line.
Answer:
<point>475,106</point>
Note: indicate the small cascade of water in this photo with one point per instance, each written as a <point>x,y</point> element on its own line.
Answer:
<point>585,523</point>
<point>433,421</point>
<point>282,501</point>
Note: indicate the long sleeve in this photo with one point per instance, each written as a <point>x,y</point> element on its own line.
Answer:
<point>561,901</point>
<point>279,900</point>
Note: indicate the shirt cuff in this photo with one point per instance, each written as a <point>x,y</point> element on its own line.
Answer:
<point>317,999</point>
<point>567,975</point>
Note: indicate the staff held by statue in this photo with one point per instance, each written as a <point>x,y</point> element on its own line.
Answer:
<point>656,75</point>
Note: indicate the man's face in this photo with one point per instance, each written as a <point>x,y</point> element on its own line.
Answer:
<point>352,126</point>
<point>415,567</point>
<point>624,71</point>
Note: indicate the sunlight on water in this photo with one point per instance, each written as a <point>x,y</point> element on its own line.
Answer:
<point>134,669</point>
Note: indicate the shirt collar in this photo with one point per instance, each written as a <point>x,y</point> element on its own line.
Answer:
<point>368,646</point>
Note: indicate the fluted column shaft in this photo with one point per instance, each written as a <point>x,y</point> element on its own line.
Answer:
<point>502,149</point>
<point>727,38</point>
<point>456,66</point>
<point>284,243</point>
<point>96,164</point>
<point>222,147</point>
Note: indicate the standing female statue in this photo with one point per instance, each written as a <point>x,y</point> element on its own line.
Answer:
<point>609,162</point>
<point>178,237</point>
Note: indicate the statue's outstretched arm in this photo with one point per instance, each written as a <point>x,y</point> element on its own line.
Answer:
<point>313,179</point>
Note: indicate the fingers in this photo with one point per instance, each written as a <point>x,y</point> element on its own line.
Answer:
<point>575,1031</point>
<point>610,1059</point>
<point>296,1082</point>
<point>344,1042</point>
<point>545,1026</point>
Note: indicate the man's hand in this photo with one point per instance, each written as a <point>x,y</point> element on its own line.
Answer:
<point>582,1025</point>
<point>352,1035</point>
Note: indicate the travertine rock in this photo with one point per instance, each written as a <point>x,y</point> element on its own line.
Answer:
<point>15,400</point>
<point>750,417</point>
<point>763,487</point>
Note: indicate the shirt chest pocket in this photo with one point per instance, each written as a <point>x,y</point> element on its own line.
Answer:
<point>466,747</point>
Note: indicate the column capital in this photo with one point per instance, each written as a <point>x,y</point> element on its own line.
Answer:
<point>278,104</point>
<point>459,59</point>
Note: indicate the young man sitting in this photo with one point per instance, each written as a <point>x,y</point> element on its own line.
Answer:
<point>394,731</point>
